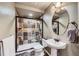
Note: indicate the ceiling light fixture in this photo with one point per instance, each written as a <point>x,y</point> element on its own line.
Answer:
<point>62,8</point>
<point>58,4</point>
<point>30,14</point>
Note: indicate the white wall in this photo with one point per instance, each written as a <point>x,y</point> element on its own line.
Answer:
<point>7,27</point>
<point>9,45</point>
<point>47,32</point>
<point>7,19</point>
<point>72,9</point>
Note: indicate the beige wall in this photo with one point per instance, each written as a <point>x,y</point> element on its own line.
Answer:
<point>7,19</point>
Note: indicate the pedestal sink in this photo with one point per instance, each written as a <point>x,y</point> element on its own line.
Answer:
<point>54,45</point>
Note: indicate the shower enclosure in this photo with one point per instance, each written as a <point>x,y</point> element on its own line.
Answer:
<point>27,31</point>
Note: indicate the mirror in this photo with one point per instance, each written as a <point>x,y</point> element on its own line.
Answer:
<point>60,22</point>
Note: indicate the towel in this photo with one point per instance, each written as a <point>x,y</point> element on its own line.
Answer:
<point>73,35</point>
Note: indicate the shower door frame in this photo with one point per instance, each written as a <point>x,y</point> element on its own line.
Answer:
<point>2,48</point>
<point>16,29</point>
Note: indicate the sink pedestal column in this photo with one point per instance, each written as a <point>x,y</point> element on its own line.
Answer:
<point>53,52</point>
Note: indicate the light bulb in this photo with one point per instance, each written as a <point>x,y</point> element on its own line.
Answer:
<point>58,10</point>
<point>53,7</point>
<point>30,14</point>
<point>58,4</point>
<point>62,8</point>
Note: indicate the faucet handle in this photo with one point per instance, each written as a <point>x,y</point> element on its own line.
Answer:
<point>57,40</point>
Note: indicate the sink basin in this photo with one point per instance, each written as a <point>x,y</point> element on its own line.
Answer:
<point>54,44</point>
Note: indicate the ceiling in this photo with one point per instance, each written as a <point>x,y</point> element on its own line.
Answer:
<point>25,13</point>
<point>38,5</point>
<point>35,8</point>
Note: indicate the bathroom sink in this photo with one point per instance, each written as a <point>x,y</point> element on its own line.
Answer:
<point>54,44</point>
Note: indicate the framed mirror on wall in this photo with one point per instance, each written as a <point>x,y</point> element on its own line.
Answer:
<point>60,22</point>
<point>27,31</point>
